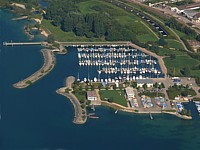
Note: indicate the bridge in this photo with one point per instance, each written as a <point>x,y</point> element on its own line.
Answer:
<point>24,43</point>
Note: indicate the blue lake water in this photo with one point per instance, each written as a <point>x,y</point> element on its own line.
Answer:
<point>38,118</point>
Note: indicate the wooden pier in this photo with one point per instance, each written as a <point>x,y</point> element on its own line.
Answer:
<point>24,43</point>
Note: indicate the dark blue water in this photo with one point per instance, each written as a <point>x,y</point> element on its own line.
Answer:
<point>38,118</point>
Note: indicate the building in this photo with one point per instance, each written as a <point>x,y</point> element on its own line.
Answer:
<point>129,93</point>
<point>141,82</point>
<point>91,96</point>
<point>196,1</point>
<point>196,18</point>
<point>190,14</point>
<point>180,9</point>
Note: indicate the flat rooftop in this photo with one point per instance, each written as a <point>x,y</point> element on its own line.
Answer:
<point>189,6</point>
<point>91,94</point>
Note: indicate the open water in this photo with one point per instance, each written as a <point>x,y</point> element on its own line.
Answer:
<point>38,118</point>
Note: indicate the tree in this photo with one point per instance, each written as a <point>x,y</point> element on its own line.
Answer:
<point>162,42</point>
<point>184,93</point>
<point>145,86</point>
<point>172,56</point>
<point>56,21</point>
<point>162,85</point>
<point>134,84</point>
<point>99,86</point>
<point>92,87</point>
<point>110,100</point>
<point>114,87</point>
<point>50,38</point>
<point>186,71</point>
<point>156,85</point>
<point>198,38</point>
<point>67,24</point>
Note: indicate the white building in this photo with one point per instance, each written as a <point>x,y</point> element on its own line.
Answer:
<point>141,82</point>
<point>190,13</point>
<point>129,93</point>
<point>91,95</point>
<point>180,9</point>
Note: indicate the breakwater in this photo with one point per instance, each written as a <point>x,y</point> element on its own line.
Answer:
<point>49,63</point>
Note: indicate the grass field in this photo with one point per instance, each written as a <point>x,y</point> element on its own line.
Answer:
<point>92,6</point>
<point>179,63</point>
<point>167,52</point>
<point>195,72</point>
<point>174,44</point>
<point>114,95</point>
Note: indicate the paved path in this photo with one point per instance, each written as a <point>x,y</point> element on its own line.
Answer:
<point>69,82</point>
<point>78,111</point>
<point>78,116</point>
<point>49,63</point>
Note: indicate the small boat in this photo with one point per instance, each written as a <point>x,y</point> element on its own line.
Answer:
<point>116,111</point>
<point>151,117</point>
<point>93,117</point>
<point>90,114</point>
<point>93,108</point>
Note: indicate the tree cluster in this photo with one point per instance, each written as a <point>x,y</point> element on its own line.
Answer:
<point>99,24</point>
<point>178,26</point>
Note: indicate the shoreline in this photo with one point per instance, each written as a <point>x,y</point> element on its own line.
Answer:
<point>49,63</point>
<point>136,111</point>
<point>79,116</point>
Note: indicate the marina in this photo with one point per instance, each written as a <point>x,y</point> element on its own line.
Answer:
<point>197,103</point>
<point>116,63</point>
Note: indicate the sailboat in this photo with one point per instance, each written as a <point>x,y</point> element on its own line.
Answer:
<point>116,111</point>
<point>151,117</point>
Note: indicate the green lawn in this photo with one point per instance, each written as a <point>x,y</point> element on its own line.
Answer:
<point>93,6</point>
<point>81,96</point>
<point>114,95</point>
<point>174,44</point>
<point>179,63</point>
<point>195,72</point>
<point>167,52</point>
<point>146,37</point>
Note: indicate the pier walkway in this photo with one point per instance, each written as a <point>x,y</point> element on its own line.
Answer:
<point>23,43</point>
<point>49,63</point>
<point>93,43</point>
<point>160,60</point>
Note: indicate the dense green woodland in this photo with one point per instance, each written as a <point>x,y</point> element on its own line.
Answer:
<point>101,23</point>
